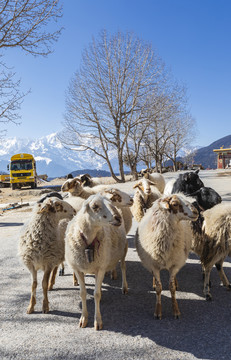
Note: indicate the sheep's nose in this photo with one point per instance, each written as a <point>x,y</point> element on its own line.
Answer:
<point>117,221</point>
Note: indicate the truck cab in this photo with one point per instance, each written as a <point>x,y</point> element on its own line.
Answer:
<point>22,171</point>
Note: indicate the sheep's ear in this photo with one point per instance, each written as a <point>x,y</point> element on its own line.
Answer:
<point>165,203</point>
<point>109,191</point>
<point>185,177</point>
<point>197,171</point>
<point>135,186</point>
<point>65,186</point>
<point>116,197</point>
<point>152,183</point>
<point>146,176</point>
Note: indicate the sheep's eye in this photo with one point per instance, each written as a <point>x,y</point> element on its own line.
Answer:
<point>95,207</point>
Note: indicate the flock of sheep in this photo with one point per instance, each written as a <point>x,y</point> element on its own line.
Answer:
<point>86,225</point>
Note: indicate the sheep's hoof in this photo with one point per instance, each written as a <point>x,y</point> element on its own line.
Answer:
<point>229,287</point>
<point>208,297</point>
<point>125,290</point>
<point>98,325</point>
<point>158,316</point>
<point>176,316</point>
<point>50,287</point>
<point>75,283</point>
<point>61,272</point>
<point>30,310</point>
<point>83,322</point>
<point>45,308</point>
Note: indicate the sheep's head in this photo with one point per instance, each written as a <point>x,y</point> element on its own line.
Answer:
<point>180,206</point>
<point>118,197</point>
<point>207,197</point>
<point>72,186</point>
<point>101,210</point>
<point>56,206</point>
<point>86,180</point>
<point>144,187</point>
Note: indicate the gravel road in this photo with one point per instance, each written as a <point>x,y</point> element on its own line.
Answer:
<point>129,328</point>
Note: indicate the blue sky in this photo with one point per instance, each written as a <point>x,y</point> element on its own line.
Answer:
<point>193,38</point>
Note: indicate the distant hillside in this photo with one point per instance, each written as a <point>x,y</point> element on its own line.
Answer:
<point>92,172</point>
<point>206,157</point>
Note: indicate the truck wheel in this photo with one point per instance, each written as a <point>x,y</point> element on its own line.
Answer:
<point>13,186</point>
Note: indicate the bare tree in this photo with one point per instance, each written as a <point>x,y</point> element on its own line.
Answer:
<point>11,98</point>
<point>107,97</point>
<point>24,25</point>
<point>183,134</point>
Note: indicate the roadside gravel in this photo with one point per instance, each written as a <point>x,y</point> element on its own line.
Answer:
<point>130,330</point>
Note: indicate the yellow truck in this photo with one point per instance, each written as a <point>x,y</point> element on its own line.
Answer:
<point>4,180</point>
<point>22,171</point>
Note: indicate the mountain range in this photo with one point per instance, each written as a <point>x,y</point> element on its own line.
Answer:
<point>55,160</point>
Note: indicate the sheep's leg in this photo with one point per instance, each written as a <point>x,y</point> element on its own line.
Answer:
<point>223,277</point>
<point>83,294</point>
<point>98,323</point>
<point>154,283</point>
<point>208,296</point>
<point>158,308</point>
<point>61,271</point>
<point>75,280</point>
<point>52,278</point>
<point>172,288</point>
<point>123,271</point>
<point>31,306</point>
<point>114,274</point>
<point>45,281</point>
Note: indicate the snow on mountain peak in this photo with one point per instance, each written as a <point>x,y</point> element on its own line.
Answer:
<point>51,156</point>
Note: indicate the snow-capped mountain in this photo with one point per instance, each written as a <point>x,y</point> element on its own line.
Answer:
<point>51,157</point>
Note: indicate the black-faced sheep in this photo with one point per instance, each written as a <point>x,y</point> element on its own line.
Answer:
<point>186,183</point>
<point>163,241</point>
<point>41,245</point>
<point>97,228</point>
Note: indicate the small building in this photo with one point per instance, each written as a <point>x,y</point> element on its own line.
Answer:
<point>223,157</point>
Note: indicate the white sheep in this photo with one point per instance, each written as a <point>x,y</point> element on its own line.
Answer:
<point>163,241</point>
<point>144,196</point>
<point>119,198</point>
<point>41,245</point>
<point>157,179</point>
<point>213,243</point>
<point>97,228</point>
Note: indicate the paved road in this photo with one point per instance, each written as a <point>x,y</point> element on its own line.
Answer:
<point>130,330</point>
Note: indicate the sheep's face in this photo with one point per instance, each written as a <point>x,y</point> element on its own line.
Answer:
<point>192,181</point>
<point>101,210</point>
<point>180,207</point>
<point>60,208</point>
<point>72,186</point>
<point>86,180</point>
<point>118,198</point>
<point>144,187</point>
